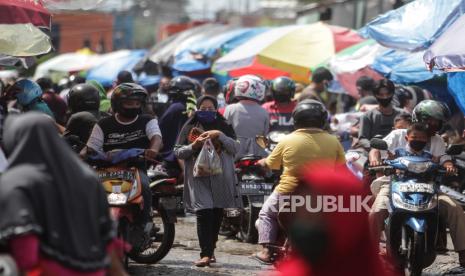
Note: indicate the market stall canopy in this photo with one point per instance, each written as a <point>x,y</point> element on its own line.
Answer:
<point>414,26</point>
<point>20,28</point>
<point>294,49</point>
<point>403,67</point>
<point>73,4</point>
<point>163,53</point>
<point>69,62</point>
<point>107,70</point>
<point>448,51</point>
<point>456,87</point>
<point>199,56</point>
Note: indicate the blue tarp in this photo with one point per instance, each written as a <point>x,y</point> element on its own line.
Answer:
<point>456,86</point>
<point>403,67</point>
<point>198,56</point>
<point>448,51</point>
<point>107,72</point>
<point>414,26</point>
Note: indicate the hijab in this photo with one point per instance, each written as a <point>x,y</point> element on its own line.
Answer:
<point>218,124</point>
<point>47,191</point>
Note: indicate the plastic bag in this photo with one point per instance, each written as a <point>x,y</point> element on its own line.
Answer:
<point>208,162</point>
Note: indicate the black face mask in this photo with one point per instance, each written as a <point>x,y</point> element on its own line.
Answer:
<point>417,145</point>
<point>384,102</point>
<point>130,113</point>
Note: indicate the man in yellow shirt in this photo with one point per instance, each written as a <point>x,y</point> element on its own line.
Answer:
<point>308,143</point>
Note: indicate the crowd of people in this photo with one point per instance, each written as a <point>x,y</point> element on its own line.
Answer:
<point>53,212</point>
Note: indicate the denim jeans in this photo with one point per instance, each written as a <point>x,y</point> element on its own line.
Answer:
<point>147,196</point>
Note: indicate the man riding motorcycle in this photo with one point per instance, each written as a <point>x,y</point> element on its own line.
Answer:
<point>280,109</point>
<point>433,114</point>
<point>128,129</point>
<point>247,117</point>
<point>308,143</point>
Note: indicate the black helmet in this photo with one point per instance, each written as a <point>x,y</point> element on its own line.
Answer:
<point>127,91</point>
<point>430,109</point>
<point>182,87</point>
<point>401,96</point>
<point>283,89</point>
<point>310,113</point>
<point>83,97</point>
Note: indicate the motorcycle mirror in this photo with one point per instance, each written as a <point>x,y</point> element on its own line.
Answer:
<point>377,143</point>
<point>454,149</point>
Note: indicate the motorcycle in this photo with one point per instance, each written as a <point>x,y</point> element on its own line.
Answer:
<point>122,182</point>
<point>412,226</point>
<point>254,190</point>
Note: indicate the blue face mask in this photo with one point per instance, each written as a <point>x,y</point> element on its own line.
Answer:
<point>205,116</point>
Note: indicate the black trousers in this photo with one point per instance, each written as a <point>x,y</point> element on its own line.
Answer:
<point>208,227</point>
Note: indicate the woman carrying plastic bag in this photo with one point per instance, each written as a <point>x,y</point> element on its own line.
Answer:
<point>208,144</point>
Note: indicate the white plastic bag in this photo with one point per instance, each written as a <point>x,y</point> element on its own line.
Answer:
<point>208,162</point>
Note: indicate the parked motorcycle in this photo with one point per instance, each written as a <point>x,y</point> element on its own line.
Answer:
<point>412,226</point>
<point>121,180</point>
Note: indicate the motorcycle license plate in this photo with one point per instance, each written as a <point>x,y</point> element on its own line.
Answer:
<point>107,174</point>
<point>256,188</point>
<point>117,199</point>
<point>416,188</point>
<point>232,213</point>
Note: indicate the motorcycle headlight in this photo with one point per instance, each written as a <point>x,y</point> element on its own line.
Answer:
<point>398,202</point>
<point>414,167</point>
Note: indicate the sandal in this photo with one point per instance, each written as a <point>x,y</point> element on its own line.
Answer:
<point>202,262</point>
<point>260,260</point>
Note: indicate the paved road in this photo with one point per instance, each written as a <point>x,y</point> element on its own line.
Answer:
<point>232,258</point>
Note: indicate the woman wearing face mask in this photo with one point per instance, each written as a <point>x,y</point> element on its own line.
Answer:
<point>208,195</point>
<point>380,120</point>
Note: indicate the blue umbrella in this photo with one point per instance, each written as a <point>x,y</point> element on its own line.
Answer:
<point>106,72</point>
<point>198,56</point>
<point>403,67</point>
<point>414,26</point>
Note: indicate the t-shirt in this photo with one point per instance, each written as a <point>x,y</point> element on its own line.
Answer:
<point>435,146</point>
<point>280,115</point>
<point>248,121</point>
<point>110,133</point>
<point>301,147</point>
<point>375,123</point>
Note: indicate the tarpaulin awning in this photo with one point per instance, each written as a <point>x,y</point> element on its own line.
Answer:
<point>163,52</point>
<point>69,62</point>
<point>199,55</point>
<point>456,87</point>
<point>448,51</point>
<point>107,70</point>
<point>403,67</point>
<point>414,26</point>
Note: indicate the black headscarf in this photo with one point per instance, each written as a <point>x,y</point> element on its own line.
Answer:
<point>219,123</point>
<point>46,190</point>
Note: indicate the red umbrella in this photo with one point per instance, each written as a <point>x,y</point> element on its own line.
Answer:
<point>23,12</point>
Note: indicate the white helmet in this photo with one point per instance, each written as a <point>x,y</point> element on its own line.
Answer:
<point>251,87</point>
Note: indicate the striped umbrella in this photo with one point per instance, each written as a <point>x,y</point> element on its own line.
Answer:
<point>290,50</point>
